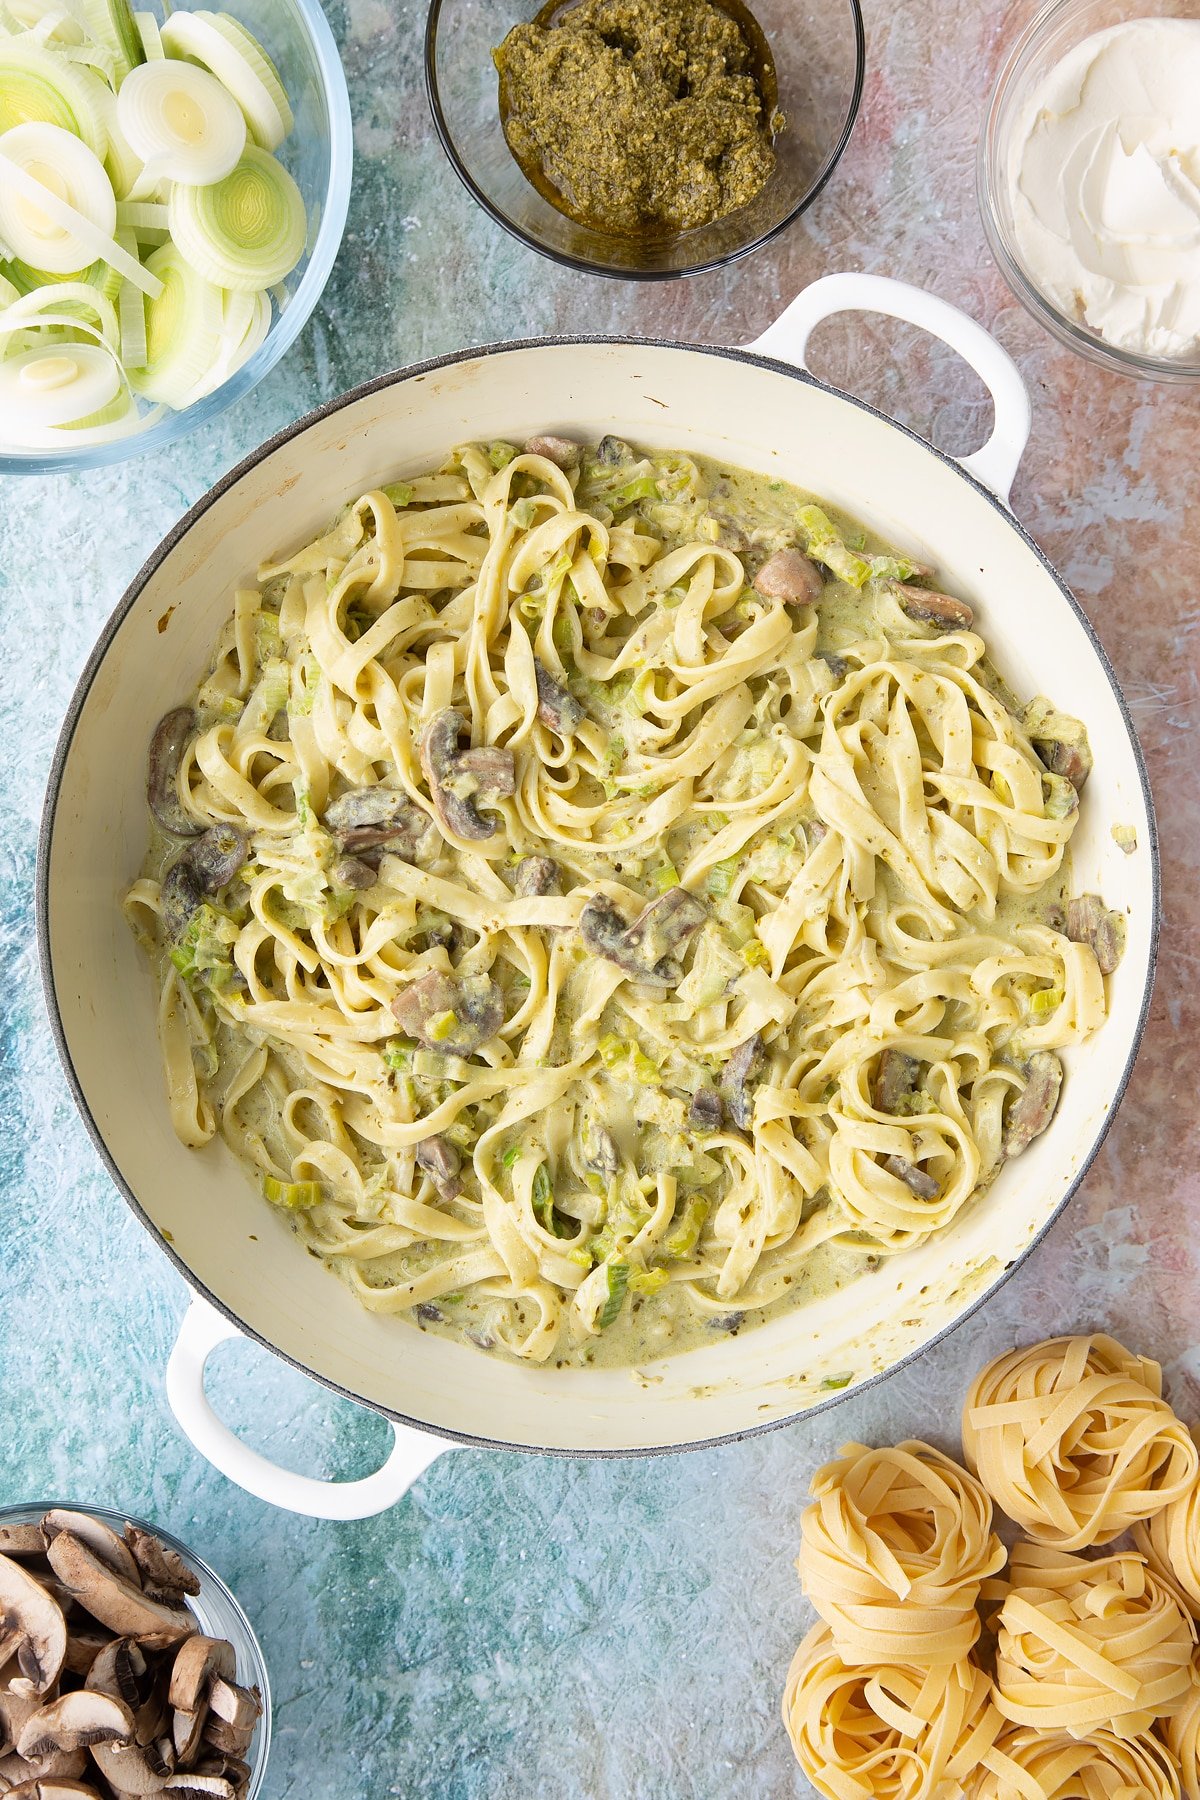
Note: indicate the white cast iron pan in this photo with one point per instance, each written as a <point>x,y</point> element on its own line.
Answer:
<point>756,408</point>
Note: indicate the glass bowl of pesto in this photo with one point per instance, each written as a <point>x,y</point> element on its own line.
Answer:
<point>635,161</point>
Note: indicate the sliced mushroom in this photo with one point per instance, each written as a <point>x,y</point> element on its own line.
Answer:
<point>790,576</point>
<point>707,1110</point>
<point>116,1602</point>
<point>33,1620</point>
<point>100,1539</point>
<point>22,1540</point>
<point>197,1663</point>
<point>165,1575</point>
<point>441,1162</point>
<point>123,1670</point>
<point>644,948</point>
<point>74,1721</point>
<point>375,818</point>
<point>559,710</point>
<point>52,1787</point>
<point>179,897</point>
<point>232,1768</point>
<point>231,1740</point>
<point>208,864</point>
<point>896,1077</point>
<point>743,1067</point>
<point>921,1184</point>
<point>1089,921</point>
<point>456,1014</point>
<point>563,452</point>
<point>190,1786</point>
<point>167,746</point>
<point>84,1644</point>
<point>1060,740</point>
<point>613,451</point>
<point>187,1732</point>
<point>457,776</point>
<point>942,611</point>
<point>135,1768</point>
<point>537,875</point>
<point>353,872</point>
<point>66,1765</point>
<point>600,1151</point>
<point>237,1706</point>
<point>14,1710</point>
<point>1029,1114</point>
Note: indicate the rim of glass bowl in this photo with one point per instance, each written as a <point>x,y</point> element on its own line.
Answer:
<point>586,265</point>
<point>27,1511</point>
<point>334,203</point>
<point>989,180</point>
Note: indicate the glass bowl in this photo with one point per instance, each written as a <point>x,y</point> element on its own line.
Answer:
<point>819,51</point>
<point>217,1613</point>
<point>1055,30</point>
<point>319,154</point>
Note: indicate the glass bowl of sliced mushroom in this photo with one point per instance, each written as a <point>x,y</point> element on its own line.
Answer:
<point>126,1665</point>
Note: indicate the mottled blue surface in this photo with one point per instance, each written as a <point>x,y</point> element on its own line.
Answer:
<point>521,1626</point>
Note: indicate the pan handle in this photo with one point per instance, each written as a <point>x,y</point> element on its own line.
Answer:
<point>203,1328</point>
<point>995,464</point>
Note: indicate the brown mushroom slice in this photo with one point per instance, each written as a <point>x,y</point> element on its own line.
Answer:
<point>84,1645</point>
<point>441,1162</point>
<point>1060,740</point>
<point>644,948</point>
<point>537,875</point>
<point>124,1670</point>
<point>366,819</point>
<point>191,1786</point>
<point>100,1539</point>
<point>1090,922</point>
<point>135,1768</point>
<point>557,709</point>
<point>456,777</point>
<point>22,1540</point>
<point>164,1573</point>
<point>197,1663</point>
<point>167,746</point>
<point>14,1710</point>
<point>232,1740</point>
<point>237,1706</point>
<point>789,576</point>
<point>563,452</point>
<point>33,1620</point>
<point>1029,1114</point>
<point>943,611</point>
<point>53,1787</point>
<point>707,1110</point>
<point>914,1178</point>
<point>116,1602</point>
<point>742,1068</point>
<point>187,1733</point>
<point>68,1765</point>
<point>74,1721</point>
<point>453,1013</point>
<point>896,1077</point>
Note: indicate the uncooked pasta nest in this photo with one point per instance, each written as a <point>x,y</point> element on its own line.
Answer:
<point>1073,1439</point>
<point>1082,1644</point>
<point>894,1552</point>
<point>887,1731</point>
<point>1170,1542</point>
<point>889,1697</point>
<point>1182,1734</point>
<point>1025,1764</point>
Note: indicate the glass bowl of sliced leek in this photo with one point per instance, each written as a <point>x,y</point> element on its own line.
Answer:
<point>173,190</point>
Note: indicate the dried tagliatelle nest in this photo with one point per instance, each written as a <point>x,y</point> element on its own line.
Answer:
<point>1073,1439</point>
<point>894,1551</point>
<point>1054,1766</point>
<point>887,1731</point>
<point>1081,1644</point>
<point>1084,1683</point>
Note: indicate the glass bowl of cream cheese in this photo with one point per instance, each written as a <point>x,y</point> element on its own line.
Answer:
<point>1089,180</point>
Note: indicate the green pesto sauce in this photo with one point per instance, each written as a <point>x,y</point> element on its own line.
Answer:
<point>641,117</point>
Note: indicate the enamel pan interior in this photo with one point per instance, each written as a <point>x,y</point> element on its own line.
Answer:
<point>202,1208</point>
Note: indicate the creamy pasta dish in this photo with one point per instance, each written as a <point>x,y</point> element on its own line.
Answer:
<point>604,897</point>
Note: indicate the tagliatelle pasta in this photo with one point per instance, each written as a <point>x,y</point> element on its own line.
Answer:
<point>886,1731</point>
<point>575,904</point>
<point>1080,1644</point>
<point>1035,1765</point>
<point>894,1551</point>
<point>1170,1542</point>
<point>1073,1439</point>
<point>1181,1734</point>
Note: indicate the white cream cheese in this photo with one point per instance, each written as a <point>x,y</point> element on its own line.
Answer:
<point>1104,180</point>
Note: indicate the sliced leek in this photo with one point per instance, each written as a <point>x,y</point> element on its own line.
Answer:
<point>236,34</point>
<point>99,275</point>
<point>246,231</point>
<point>131,316</point>
<point>245,324</point>
<point>151,38</point>
<point>17,184</point>
<point>240,63</point>
<point>8,293</point>
<point>110,23</point>
<point>61,167</point>
<point>63,303</point>
<point>37,87</point>
<point>183,123</point>
<point>54,385</point>
<point>183,330</point>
